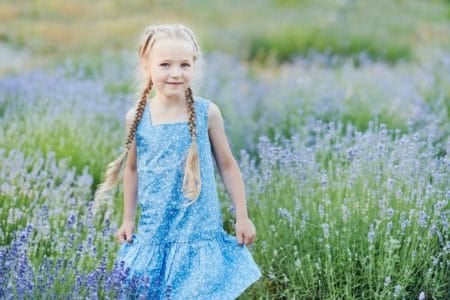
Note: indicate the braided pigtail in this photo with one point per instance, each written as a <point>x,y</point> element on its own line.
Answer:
<point>192,180</point>
<point>113,169</point>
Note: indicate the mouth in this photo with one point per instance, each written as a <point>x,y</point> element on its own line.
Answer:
<point>175,83</point>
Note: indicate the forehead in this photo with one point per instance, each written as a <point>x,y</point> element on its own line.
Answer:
<point>172,49</point>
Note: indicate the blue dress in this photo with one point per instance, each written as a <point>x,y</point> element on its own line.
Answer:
<point>180,252</point>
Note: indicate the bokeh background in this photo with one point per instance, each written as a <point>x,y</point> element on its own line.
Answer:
<point>337,112</point>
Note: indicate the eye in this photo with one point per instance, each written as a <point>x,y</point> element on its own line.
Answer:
<point>164,65</point>
<point>185,65</point>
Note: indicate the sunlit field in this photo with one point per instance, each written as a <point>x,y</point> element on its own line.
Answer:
<point>337,113</point>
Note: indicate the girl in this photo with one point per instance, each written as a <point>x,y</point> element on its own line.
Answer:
<point>181,249</point>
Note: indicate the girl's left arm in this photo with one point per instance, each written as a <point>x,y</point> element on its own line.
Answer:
<point>226,163</point>
<point>230,173</point>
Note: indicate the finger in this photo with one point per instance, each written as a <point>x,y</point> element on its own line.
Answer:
<point>247,240</point>
<point>120,237</point>
<point>250,239</point>
<point>239,238</point>
<point>129,237</point>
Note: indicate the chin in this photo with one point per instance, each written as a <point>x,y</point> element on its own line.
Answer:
<point>181,94</point>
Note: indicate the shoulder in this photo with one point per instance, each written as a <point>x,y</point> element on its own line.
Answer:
<point>213,113</point>
<point>201,101</point>
<point>210,106</point>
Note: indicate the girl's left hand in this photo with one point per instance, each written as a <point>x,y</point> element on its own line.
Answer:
<point>245,231</point>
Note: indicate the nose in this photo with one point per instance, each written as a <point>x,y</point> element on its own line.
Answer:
<point>176,72</point>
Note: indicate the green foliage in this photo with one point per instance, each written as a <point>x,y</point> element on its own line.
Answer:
<point>69,138</point>
<point>285,44</point>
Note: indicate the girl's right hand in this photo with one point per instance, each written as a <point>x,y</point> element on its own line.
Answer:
<point>125,232</point>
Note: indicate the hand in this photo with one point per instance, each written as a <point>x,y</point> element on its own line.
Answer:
<point>125,232</point>
<point>245,231</point>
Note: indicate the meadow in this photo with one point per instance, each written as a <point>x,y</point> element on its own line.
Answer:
<point>342,138</point>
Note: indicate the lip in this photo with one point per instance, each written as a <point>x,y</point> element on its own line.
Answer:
<point>174,83</point>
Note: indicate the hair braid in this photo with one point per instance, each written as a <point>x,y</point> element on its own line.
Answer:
<point>192,179</point>
<point>113,169</point>
<point>191,110</point>
<point>139,111</point>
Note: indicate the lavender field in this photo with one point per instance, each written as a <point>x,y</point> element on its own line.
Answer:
<point>346,170</point>
<point>345,159</point>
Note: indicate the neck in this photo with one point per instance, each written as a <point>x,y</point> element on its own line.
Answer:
<point>169,101</point>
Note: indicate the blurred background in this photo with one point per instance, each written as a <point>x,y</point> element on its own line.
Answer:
<point>40,32</point>
<point>337,112</point>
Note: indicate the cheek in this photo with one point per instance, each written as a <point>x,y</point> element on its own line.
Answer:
<point>187,75</point>
<point>159,76</point>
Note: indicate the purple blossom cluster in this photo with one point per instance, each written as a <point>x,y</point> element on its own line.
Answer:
<point>55,205</point>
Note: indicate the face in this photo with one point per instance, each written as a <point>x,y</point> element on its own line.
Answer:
<point>171,66</point>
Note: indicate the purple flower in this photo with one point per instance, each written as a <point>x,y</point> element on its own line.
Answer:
<point>422,296</point>
<point>283,212</point>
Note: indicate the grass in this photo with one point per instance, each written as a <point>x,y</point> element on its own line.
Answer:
<point>67,138</point>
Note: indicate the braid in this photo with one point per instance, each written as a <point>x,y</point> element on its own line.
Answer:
<point>113,169</point>
<point>191,109</point>
<point>139,111</point>
<point>192,180</point>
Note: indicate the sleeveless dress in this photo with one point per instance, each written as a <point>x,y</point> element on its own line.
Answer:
<point>180,252</point>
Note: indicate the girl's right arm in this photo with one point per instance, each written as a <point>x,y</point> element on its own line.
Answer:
<point>129,188</point>
<point>130,177</point>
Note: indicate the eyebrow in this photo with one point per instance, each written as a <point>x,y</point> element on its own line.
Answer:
<point>182,60</point>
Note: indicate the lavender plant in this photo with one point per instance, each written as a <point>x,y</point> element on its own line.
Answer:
<point>358,216</point>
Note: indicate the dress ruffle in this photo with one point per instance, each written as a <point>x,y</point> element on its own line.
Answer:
<point>210,265</point>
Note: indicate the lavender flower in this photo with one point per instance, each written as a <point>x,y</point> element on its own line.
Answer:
<point>283,212</point>
<point>422,296</point>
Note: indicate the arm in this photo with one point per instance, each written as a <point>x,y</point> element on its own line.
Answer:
<point>130,177</point>
<point>226,163</point>
<point>230,173</point>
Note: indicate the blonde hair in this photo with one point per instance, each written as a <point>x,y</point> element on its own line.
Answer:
<point>191,180</point>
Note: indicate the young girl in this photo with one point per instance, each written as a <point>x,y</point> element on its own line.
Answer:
<point>181,249</point>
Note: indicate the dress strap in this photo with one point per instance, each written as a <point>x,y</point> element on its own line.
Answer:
<point>205,113</point>
<point>202,114</point>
